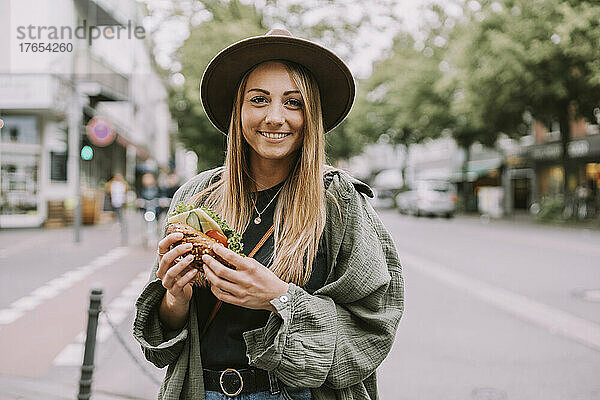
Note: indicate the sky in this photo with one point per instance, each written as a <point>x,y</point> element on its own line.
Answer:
<point>170,32</point>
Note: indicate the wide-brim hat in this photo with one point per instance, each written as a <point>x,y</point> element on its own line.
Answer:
<point>225,71</point>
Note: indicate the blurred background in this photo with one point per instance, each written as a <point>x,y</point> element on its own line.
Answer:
<point>476,123</point>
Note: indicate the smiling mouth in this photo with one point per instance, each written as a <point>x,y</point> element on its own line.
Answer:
<point>273,135</point>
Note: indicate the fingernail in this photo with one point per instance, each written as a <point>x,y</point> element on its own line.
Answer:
<point>189,257</point>
<point>188,246</point>
<point>179,235</point>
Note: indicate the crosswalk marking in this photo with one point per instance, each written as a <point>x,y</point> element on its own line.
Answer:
<point>117,310</point>
<point>52,288</point>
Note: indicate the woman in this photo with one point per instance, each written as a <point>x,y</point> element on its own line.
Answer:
<point>315,310</point>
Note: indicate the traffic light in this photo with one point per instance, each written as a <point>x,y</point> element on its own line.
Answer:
<point>87,153</point>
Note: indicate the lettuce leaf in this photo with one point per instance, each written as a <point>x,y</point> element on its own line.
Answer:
<point>234,239</point>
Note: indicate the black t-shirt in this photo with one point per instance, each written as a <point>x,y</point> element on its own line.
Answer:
<point>223,345</point>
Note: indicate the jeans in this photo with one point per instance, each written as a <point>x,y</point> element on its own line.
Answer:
<point>287,393</point>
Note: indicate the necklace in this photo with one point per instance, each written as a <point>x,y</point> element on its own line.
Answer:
<point>257,220</point>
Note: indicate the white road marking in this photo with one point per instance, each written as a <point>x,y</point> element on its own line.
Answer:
<point>117,310</point>
<point>554,320</point>
<point>52,288</point>
<point>9,315</point>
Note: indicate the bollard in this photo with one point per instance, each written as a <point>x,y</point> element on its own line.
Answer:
<point>87,368</point>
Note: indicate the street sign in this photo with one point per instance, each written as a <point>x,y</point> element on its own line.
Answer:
<point>100,131</point>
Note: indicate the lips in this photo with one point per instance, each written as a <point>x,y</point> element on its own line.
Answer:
<point>274,135</point>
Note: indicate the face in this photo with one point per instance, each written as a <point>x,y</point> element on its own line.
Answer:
<point>147,180</point>
<point>272,113</point>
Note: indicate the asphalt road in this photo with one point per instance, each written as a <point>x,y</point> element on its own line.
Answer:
<point>493,311</point>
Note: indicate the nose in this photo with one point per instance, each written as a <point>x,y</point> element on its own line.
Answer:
<point>275,114</point>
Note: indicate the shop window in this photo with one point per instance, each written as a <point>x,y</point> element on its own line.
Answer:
<point>557,178</point>
<point>20,129</point>
<point>58,146</point>
<point>58,167</point>
<point>19,184</point>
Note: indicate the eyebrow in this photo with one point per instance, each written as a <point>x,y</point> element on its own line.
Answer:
<point>267,92</point>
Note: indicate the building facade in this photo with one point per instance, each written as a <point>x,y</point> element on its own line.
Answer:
<point>47,99</point>
<point>583,148</point>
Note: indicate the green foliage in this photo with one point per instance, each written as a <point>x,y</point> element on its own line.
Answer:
<point>472,76</point>
<point>342,143</point>
<point>401,98</point>
<point>230,23</point>
<point>551,209</point>
<point>233,20</point>
<point>537,56</point>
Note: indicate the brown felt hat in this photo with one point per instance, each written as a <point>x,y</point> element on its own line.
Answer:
<point>223,74</point>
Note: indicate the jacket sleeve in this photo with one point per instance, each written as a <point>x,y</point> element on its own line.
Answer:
<point>339,335</point>
<point>159,345</point>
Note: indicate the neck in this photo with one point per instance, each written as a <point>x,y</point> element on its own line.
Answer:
<point>268,173</point>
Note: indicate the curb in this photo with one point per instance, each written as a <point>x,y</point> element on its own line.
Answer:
<point>18,388</point>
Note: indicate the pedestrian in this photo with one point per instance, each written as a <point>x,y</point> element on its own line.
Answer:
<point>150,189</point>
<point>171,185</point>
<point>314,312</point>
<point>117,189</point>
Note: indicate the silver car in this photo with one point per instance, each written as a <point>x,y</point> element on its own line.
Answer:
<point>428,197</point>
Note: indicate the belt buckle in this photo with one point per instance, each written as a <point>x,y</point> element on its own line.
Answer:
<point>241,382</point>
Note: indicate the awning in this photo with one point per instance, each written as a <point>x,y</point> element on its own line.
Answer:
<point>476,169</point>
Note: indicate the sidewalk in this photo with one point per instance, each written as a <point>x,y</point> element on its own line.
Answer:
<point>529,219</point>
<point>117,375</point>
<point>12,388</point>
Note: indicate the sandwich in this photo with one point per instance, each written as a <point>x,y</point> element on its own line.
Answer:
<point>202,227</point>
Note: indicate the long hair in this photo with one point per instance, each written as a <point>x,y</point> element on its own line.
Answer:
<point>300,211</point>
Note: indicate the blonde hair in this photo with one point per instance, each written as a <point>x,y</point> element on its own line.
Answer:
<point>300,211</point>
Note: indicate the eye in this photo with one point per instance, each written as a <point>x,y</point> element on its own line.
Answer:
<point>258,100</point>
<point>294,103</point>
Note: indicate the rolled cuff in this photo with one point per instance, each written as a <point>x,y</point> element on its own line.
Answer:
<point>160,346</point>
<point>304,330</point>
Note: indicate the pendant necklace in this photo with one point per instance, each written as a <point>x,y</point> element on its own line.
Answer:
<point>258,220</point>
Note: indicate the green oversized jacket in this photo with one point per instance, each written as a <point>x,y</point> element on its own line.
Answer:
<point>331,341</point>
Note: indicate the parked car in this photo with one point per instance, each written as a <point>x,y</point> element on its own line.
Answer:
<point>428,197</point>
<point>386,184</point>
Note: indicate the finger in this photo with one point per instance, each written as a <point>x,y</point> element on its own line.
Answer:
<point>167,260</point>
<point>223,296</point>
<point>229,256</point>
<point>221,284</point>
<point>219,269</point>
<point>173,272</point>
<point>167,241</point>
<point>185,279</point>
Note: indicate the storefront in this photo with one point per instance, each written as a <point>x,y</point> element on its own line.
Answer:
<point>584,181</point>
<point>519,183</point>
<point>480,173</point>
<point>20,153</point>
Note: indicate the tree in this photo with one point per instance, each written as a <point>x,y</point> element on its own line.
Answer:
<point>335,24</point>
<point>409,96</point>
<point>229,23</point>
<point>536,56</point>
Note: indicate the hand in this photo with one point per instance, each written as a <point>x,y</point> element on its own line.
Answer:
<point>250,285</point>
<point>176,277</point>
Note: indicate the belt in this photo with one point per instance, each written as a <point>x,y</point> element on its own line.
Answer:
<point>233,382</point>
